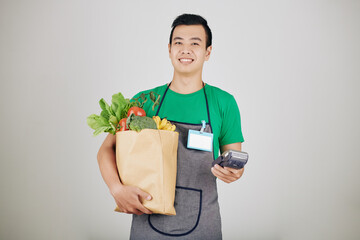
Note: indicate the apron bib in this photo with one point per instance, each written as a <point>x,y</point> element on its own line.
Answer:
<point>196,200</point>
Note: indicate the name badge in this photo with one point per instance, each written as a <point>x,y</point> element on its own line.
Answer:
<point>200,140</point>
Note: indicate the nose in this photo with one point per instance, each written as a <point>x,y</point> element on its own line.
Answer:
<point>185,50</point>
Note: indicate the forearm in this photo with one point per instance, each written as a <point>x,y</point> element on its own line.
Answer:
<point>107,164</point>
<point>232,146</point>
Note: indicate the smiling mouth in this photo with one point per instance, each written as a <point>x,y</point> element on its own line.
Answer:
<point>186,60</point>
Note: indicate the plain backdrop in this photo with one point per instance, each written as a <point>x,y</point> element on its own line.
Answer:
<point>293,67</point>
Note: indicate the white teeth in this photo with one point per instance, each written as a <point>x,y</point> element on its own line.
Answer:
<point>185,60</point>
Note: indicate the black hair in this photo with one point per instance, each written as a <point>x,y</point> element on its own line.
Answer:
<point>192,19</point>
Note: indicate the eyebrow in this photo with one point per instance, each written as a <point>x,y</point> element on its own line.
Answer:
<point>193,38</point>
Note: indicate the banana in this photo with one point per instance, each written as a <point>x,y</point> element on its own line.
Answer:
<point>168,126</point>
<point>163,124</point>
<point>157,121</point>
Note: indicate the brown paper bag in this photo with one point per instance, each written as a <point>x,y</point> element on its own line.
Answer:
<point>148,160</point>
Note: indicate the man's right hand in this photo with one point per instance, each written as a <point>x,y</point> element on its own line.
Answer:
<point>129,199</point>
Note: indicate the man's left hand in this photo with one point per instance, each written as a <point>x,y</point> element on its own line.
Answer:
<point>227,174</point>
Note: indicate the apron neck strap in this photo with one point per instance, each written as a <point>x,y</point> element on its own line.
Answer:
<point>207,104</point>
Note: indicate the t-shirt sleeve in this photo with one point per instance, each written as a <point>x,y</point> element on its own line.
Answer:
<point>231,123</point>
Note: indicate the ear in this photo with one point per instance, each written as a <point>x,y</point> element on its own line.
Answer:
<point>169,47</point>
<point>208,52</point>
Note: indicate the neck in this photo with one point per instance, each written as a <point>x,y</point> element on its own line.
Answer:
<point>186,84</point>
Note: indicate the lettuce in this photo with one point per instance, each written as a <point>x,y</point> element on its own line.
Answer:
<point>98,123</point>
<point>118,103</point>
<point>110,116</point>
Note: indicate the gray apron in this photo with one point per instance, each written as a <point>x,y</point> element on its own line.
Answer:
<point>196,200</point>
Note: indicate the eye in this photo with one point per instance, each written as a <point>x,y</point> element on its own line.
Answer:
<point>177,43</point>
<point>195,43</point>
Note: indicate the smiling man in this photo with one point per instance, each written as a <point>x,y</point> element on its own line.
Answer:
<point>188,52</point>
<point>192,106</point>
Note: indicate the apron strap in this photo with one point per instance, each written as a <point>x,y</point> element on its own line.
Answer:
<point>162,99</point>
<point>207,104</point>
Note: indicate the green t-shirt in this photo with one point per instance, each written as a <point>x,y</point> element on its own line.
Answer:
<point>191,108</point>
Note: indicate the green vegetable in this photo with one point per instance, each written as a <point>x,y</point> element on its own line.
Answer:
<point>110,116</point>
<point>99,124</point>
<point>137,123</point>
<point>141,100</point>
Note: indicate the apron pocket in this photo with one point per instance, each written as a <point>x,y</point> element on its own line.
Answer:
<point>188,210</point>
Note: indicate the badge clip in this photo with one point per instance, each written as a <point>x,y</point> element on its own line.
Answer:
<point>203,126</point>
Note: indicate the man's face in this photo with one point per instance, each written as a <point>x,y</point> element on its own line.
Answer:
<point>188,50</point>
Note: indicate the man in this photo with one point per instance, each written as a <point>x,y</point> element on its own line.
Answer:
<point>186,101</point>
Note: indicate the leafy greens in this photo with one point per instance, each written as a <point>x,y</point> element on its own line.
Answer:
<point>110,116</point>
<point>108,120</point>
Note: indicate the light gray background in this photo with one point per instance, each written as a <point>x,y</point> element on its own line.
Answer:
<point>293,67</point>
